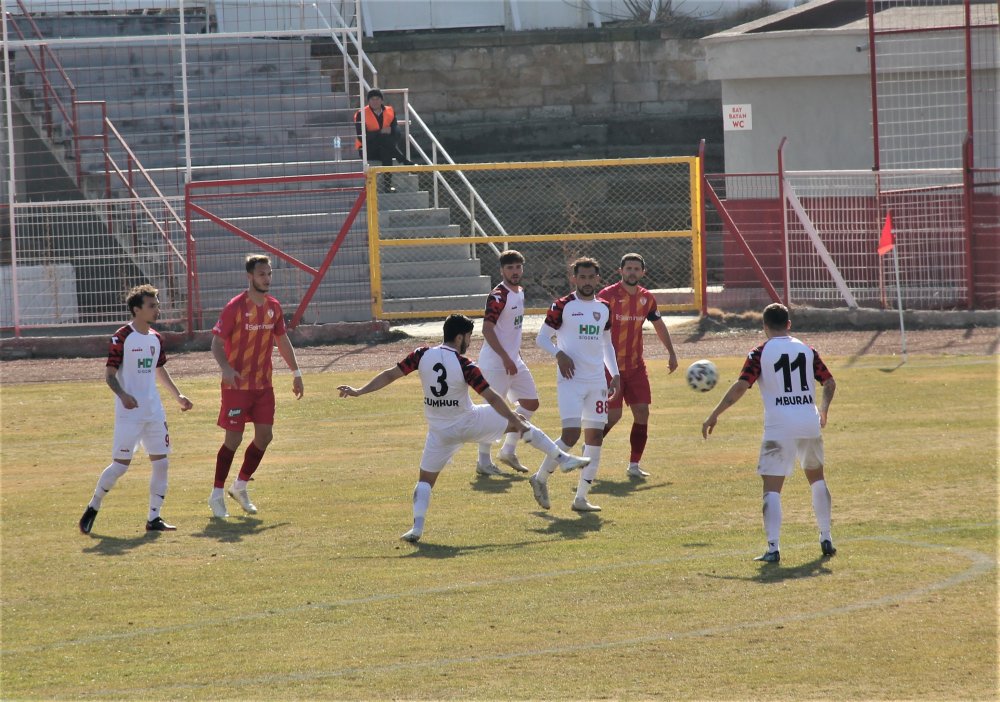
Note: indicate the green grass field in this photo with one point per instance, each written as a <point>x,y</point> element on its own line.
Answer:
<point>654,597</point>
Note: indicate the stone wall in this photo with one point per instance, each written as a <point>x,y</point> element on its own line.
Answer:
<point>596,92</point>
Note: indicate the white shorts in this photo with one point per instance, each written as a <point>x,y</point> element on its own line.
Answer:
<point>583,403</point>
<point>520,386</point>
<point>154,437</point>
<point>481,425</point>
<point>777,457</point>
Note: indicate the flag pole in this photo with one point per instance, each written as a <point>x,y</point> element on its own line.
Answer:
<point>899,300</point>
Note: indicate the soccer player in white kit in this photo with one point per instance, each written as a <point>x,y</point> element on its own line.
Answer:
<point>500,358</point>
<point>581,324</point>
<point>135,361</point>
<point>787,371</point>
<point>452,419</point>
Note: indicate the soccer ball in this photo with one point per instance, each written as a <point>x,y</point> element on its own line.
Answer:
<point>702,375</point>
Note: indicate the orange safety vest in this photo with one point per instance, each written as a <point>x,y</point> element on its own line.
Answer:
<point>371,121</point>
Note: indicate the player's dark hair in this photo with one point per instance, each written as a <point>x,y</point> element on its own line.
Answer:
<point>586,262</point>
<point>456,325</point>
<point>374,92</point>
<point>776,316</point>
<point>137,295</point>
<point>632,257</point>
<point>254,259</point>
<point>511,256</point>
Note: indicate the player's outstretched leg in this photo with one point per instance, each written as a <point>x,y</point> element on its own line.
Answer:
<point>421,501</point>
<point>539,440</point>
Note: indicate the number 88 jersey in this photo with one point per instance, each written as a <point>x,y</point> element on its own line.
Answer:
<point>446,377</point>
<point>787,371</point>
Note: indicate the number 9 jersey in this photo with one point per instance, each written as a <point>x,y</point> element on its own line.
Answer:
<point>446,377</point>
<point>787,370</point>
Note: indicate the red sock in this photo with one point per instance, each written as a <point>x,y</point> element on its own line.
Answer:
<point>251,459</point>
<point>638,440</point>
<point>223,462</point>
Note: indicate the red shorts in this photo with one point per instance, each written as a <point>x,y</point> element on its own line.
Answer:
<point>634,388</point>
<point>242,406</point>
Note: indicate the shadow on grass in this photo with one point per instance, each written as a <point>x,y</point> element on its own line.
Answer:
<point>235,529</point>
<point>575,527</point>
<point>117,546</point>
<point>625,487</point>
<point>422,549</point>
<point>776,573</point>
<point>494,484</point>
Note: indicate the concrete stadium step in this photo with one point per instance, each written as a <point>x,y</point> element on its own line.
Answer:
<point>404,201</point>
<point>440,303</point>
<point>470,267</point>
<point>428,287</point>
<point>434,231</point>
<point>218,262</point>
<point>424,254</point>
<point>431,216</point>
<point>207,51</point>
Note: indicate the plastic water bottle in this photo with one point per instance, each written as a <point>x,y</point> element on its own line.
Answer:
<point>336,147</point>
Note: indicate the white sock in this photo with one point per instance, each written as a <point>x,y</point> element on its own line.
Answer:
<point>239,485</point>
<point>157,487</point>
<point>109,476</point>
<point>548,466</point>
<point>217,492</point>
<point>540,441</point>
<point>484,454</point>
<point>511,437</point>
<point>589,471</point>
<point>772,519</point>
<point>822,504</point>
<point>421,501</point>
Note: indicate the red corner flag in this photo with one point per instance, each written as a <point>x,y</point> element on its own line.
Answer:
<point>886,241</point>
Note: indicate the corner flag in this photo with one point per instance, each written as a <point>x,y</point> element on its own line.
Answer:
<point>886,242</point>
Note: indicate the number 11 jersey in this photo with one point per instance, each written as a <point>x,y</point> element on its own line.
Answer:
<point>787,370</point>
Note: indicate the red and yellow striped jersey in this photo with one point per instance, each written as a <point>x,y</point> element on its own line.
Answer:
<point>250,332</point>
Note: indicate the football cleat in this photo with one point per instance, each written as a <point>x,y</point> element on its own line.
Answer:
<point>413,536</point>
<point>826,546</point>
<point>511,460</point>
<point>580,504</point>
<point>541,492</point>
<point>218,505</point>
<point>568,462</point>
<point>488,469</point>
<point>87,520</point>
<point>769,557</point>
<point>159,525</point>
<point>635,471</point>
<point>243,498</point>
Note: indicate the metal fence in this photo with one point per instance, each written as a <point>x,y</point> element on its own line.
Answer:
<point>431,255</point>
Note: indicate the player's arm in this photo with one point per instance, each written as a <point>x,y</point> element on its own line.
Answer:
<point>386,377</point>
<point>544,341</point>
<point>163,375</point>
<point>229,374</point>
<point>490,335</point>
<point>111,378</point>
<point>611,362</point>
<point>829,388</point>
<point>288,354</point>
<point>664,334</point>
<point>732,396</point>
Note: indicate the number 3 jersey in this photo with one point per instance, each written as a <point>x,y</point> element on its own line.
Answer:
<point>446,377</point>
<point>787,370</point>
<point>137,356</point>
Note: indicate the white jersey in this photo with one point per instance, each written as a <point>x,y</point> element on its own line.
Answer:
<point>137,356</point>
<point>787,370</point>
<point>505,309</point>
<point>446,377</point>
<point>580,327</point>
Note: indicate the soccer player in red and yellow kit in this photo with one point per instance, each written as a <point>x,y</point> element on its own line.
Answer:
<point>631,305</point>
<point>250,325</point>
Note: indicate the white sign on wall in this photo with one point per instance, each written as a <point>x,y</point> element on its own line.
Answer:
<point>737,118</point>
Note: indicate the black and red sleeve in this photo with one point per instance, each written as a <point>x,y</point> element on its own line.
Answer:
<point>751,366</point>
<point>412,361</point>
<point>116,349</point>
<point>820,371</point>
<point>473,376</point>
<point>495,304</point>
<point>554,317</point>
